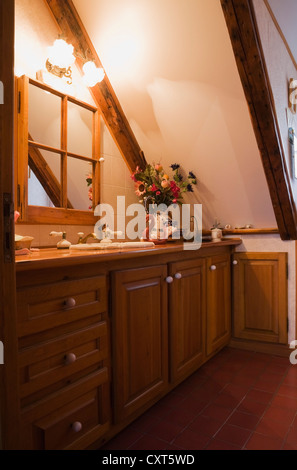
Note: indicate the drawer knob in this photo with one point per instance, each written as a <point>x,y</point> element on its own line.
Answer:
<point>69,303</point>
<point>235,262</point>
<point>178,276</point>
<point>213,267</point>
<point>76,427</point>
<point>169,280</point>
<point>70,358</point>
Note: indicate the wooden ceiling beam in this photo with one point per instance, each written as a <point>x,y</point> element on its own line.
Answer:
<point>70,24</point>
<point>247,48</point>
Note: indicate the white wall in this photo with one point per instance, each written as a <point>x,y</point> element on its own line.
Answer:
<point>172,67</point>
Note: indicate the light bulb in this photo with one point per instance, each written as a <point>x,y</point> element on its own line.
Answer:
<point>92,74</point>
<point>61,54</point>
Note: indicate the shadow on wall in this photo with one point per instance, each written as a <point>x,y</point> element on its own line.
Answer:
<point>208,131</point>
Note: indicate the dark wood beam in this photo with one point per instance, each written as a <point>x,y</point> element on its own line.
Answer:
<point>71,26</point>
<point>246,43</point>
<point>45,176</point>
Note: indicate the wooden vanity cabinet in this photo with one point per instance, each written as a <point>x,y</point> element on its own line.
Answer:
<point>63,363</point>
<point>139,338</point>
<point>89,367</point>
<point>218,313</point>
<point>187,317</point>
<point>191,326</point>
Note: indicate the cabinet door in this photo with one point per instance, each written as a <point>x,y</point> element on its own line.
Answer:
<point>218,317</point>
<point>260,297</point>
<point>140,338</point>
<point>186,318</point>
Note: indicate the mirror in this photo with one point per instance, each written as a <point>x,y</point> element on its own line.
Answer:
<point>57,153</point>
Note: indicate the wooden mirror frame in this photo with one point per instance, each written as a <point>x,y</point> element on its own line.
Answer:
<point>28,152</point>
<point>242,25</point>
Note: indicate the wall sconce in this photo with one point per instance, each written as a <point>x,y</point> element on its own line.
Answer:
<point>60,59</point>
<point>92,74</point>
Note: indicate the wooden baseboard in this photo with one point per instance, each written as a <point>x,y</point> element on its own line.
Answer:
<point>257,346</point>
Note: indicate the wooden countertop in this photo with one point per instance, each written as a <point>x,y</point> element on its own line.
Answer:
<point>52,257</point>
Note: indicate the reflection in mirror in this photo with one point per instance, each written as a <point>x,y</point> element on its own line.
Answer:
<point>79,193</point>
<point>80,142</point>
<point>44,171</point>
<point>44,115</point>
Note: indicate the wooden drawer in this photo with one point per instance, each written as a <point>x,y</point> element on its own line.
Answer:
<point>59,359</point>
<point>71,419</point>
<point>48,306</point>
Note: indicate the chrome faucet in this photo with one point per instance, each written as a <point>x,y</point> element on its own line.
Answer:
<point>83,239</point>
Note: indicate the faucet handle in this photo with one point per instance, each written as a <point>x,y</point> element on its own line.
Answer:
<point>80,235</point>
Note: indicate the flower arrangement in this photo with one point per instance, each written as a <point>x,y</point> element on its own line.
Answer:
<point>155,183</point>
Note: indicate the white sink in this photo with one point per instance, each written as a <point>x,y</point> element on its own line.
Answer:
<point>111,246</point>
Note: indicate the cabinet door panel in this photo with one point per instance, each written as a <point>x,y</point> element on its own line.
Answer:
<point>140,338</point>
<point>260,297</point>
<point>186,318</point>
<point>218,302</point>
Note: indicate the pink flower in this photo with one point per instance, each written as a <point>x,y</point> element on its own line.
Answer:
<point>158,167</point>
<point>174,201</point>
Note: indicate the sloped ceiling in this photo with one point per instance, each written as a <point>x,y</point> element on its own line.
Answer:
<point>171,65</point>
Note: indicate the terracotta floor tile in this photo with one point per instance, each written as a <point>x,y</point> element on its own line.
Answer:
<point>205,425</point>
<point>284,415</point>
<point>149,443</point>
<point>233,434</point>
<point>271,428</point>
<point>266,385</point>
<point>291,378</point>
<point>190,440</point>
<point>217,444</point>
<point>180,416</point>
<point>236,391</point>
<point>218,413</point>
<point>227,400</point>
<point>243,420</point>
<point>165,430</point>
<point>252,407</point>
<point>284,401</point>
<point>260,442</point>
<point>287,391</point>
<point>259,395</point>
<point>239,399</point>
<point>123,440</point>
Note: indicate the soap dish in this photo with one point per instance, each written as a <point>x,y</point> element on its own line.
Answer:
<point>22,242</point>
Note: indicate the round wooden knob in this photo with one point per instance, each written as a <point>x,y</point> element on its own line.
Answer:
<point>213,267</point>
<point>169,280</point>
<point>235,262</point>
<point>69,303</point>
<point>70,358</point>
<point>178,276</point>
<point>76,427</point>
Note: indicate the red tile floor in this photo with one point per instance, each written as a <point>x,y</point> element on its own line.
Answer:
<point>238,400</point>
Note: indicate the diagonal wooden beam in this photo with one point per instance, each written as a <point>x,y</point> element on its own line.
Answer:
<point>70,24</point>
<point>249,55</point>
<point>45,176</point>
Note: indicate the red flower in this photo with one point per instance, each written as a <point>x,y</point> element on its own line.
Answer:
<point>158,193</point>
<point>154,188</point>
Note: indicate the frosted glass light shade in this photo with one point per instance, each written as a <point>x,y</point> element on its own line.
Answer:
<point>61,54</point>
<point>92,74</point>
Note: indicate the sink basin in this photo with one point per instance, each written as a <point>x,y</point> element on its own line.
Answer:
<point>111,246</point>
